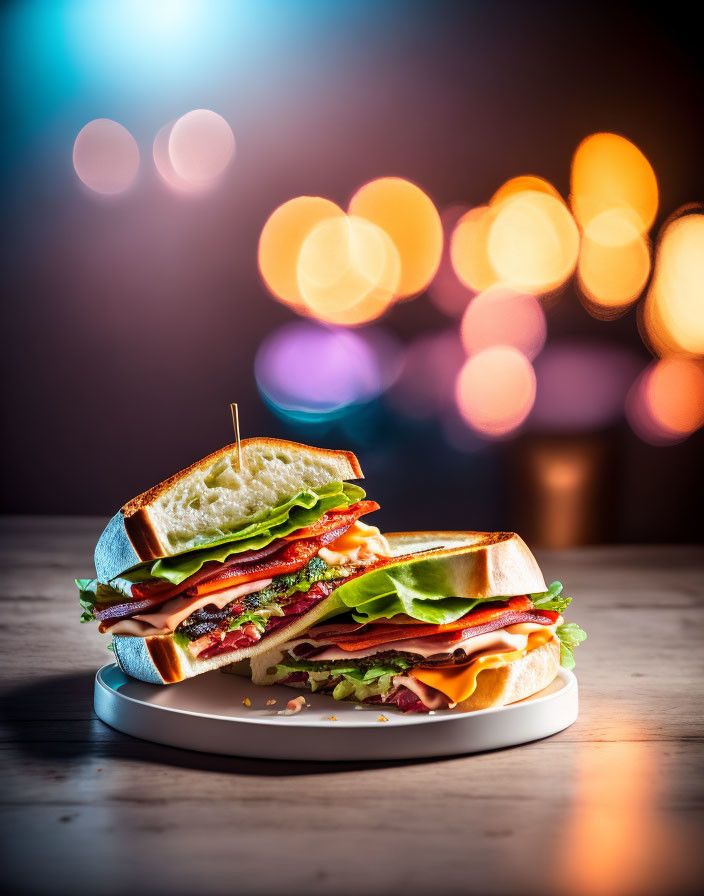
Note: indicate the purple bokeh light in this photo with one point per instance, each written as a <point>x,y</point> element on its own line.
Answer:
<point>582,386</point>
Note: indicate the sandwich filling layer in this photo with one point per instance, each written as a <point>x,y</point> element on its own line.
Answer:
<point>417,674</point>
<point>229,604</point>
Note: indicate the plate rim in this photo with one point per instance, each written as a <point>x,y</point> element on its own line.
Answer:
<point>568,677</point>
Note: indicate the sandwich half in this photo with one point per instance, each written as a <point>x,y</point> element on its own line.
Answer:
<point>218,562</point>
<point>456,619</point>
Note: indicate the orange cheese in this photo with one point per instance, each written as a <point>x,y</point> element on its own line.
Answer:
<point>460,682</point>
<point>359,542</point>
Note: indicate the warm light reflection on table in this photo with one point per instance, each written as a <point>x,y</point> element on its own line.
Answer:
<point>619,839</point>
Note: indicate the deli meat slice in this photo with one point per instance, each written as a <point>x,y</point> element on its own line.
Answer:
<point>168,616</point>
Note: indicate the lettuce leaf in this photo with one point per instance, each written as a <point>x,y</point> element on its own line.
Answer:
<point>94,596</point>
<point>552,599</point>
<point>419,589</point>
<point>356,682</point>
<point>571,636</point>
<point>303,509</point>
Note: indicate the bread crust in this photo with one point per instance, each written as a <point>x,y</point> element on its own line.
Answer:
<point>130,538</point>
<point>472,566</point>
<point>516,680</point>
<point>140,501</point>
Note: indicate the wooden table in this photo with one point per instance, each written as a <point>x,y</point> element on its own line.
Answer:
<point>614,805</point>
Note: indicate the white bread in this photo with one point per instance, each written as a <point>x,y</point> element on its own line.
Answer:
<point>504,684</point>
<point>476,564</point>
<point>212,497</point>
<point>516,680</point>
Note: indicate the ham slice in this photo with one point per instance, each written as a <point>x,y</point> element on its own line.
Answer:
<point>429,697</point>
<point>173,612</point>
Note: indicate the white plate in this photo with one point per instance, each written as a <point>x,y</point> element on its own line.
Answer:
<point>207,713</point>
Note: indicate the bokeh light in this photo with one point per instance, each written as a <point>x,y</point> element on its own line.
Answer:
<point>409,217</point>
<point>614,262</point>
<point>501,316</point>
<point>582,386</point>
<point>281,239</point>
<point>447,292</point>
<point>495,390</point>
<point>610,172</point>
<point>201,145</point>
<point>348,270</point>
<point>425,387</point>
<point>524,183</point>
<point>105,156</point>
<point>468,250</point>
<point>310,372</point>
<point>533,242</point>
<point>666,404</point>
<point>162,163</point>
<point>674,310</point>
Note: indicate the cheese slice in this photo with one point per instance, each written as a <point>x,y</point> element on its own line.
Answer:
<point>359,542</point>
<point>460,682</point>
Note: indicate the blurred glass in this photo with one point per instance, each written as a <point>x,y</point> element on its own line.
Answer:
<point>559,490</point>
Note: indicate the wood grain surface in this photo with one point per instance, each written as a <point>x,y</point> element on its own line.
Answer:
<point>614,805</point>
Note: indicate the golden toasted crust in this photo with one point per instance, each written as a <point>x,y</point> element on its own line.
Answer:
<point>516,680</point>
<point>148,497</point>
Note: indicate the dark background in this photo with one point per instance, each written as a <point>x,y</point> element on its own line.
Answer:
<point>131,324</point>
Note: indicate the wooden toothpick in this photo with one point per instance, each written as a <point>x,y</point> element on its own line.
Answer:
<point>236,425</point>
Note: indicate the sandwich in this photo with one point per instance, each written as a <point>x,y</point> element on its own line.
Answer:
<point>224,559</point>
<point>454,620</point>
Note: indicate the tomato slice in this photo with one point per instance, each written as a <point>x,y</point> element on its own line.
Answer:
<point>289,559</point>
<point>333,519</point>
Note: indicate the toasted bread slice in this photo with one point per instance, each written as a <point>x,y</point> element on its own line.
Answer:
<point>213,497</point>
<point>476,564</point>
<point>516,680</point>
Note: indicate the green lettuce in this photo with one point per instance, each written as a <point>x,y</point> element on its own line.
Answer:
<point>419,589</point>
<point>257,617</point>
<point>571,636</point>
<point>303,509</point>
<point>94,596</point>
<point>355,681</point>
<point>552,599</point>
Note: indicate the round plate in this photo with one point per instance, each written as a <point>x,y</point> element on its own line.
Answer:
<point>209,713</point>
